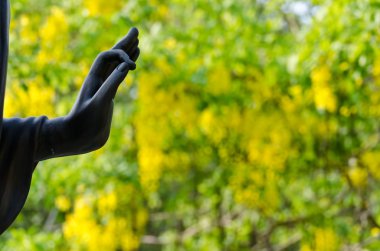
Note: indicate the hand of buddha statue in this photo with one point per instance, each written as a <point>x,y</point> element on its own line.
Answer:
<point>87,126</point>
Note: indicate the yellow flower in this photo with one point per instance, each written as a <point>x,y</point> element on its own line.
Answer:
<point>33,100</point>
<point>345,111</point>
<point>150,161</point>
<point>305,247</point>
<point>358,177</point>
<point>211,126</point>
<point>26,30</point>
<point>219,80</point>
<point>54,38</point>
<point>63,203</point>
<point>102,7</point>
<point>163,66</point>
<point>372,161</point>
<point>326,240</point>
<point>208,121</point>
<point>83,208</point>
<point>55,26</point>
<point>107,203</point>
<point>375,231</point>
<point>324,97</point>
<point>170,43</point>
<point>376,68</point>
<point>90,229</point>
<point>129,241</point>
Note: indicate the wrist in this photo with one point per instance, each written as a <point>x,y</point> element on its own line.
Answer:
<point>51,138</point>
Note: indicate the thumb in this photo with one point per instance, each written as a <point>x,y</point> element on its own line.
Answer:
<point>109,88</point>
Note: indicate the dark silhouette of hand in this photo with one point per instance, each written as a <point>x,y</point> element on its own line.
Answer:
<point>87,126</point>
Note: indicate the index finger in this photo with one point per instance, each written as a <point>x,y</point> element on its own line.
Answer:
<point>128,40</point>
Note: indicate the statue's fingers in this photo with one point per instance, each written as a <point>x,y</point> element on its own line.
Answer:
<point>126,42</point>
<point>124,57</point>
<point>116,55</point>
<point>135,54</point>
<point>109,88</point>
<point>133,47</point>
<point>108,60</point>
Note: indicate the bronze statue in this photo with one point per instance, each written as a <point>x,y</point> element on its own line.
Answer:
<point>25,142</point>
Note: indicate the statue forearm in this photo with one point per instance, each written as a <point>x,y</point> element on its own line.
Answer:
<point>65,136</point>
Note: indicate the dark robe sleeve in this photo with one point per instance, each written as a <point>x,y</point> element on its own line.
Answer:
<point>17,150</point>
<point>4,47</point>
<point>18,141</point>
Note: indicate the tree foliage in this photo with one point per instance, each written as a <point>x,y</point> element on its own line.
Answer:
<point>248,125</point>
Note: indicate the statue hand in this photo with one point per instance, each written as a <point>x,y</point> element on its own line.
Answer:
<point>99,78</point>
<point>87,126</point>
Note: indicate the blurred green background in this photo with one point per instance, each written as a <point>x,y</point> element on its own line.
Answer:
<point>248,125</point>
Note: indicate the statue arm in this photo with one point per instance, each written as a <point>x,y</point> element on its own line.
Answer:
<point>87,126</point>
<point>24,142</point>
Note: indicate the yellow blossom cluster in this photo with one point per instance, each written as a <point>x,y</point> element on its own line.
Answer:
<point>28,36</point>
<point>53,38</point>
<point>267,150</point>
<point>324,97</point>
<point>256,188</point>
<point>161,9</point>
<point>31,99</point>
<point>254,183</point>
<point>219,80</point>
<point>159,110</point>
<point>102,7</point>
<point>96,224</point>
<point>63,203</point>
<point>150,131</point>
<point>358,176</point>
<point>376,69</point>
<point>325,239</point>
<point>371,159</point>
<point>210,125</point>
